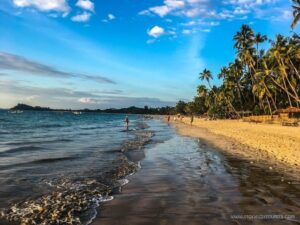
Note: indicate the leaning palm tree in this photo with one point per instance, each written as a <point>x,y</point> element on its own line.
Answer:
<point>296,13</point>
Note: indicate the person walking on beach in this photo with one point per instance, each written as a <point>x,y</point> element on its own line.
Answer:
<point>126,122</point>
<point>192,119</point>
<point>168,118</point>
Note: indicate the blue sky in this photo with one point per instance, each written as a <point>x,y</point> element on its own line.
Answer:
<point>118,53</point>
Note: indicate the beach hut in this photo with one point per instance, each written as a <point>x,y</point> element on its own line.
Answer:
<point>285,116</point>
<point>289,112</point>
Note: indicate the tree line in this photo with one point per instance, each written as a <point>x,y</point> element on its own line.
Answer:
<point>258,80</point>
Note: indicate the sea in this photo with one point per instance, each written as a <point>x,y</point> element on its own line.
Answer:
<point>60,166</point>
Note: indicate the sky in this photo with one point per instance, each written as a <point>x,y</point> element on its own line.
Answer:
<point>118,53</point>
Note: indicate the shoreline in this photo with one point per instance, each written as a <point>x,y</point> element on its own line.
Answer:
<point>241,139</point>
<point>187,180</point>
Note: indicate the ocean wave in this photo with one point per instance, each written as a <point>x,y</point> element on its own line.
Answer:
<point>70,200</point>
<point>20,149</point>
<point>39,142</point>
<point>74,201</point>
<point>141,139</point>
<point>50,160</point>
<point>49,125</point>
<point>91,128</point>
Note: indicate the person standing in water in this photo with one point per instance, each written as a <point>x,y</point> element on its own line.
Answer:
<point>126,122</point>
<point>168,118</point>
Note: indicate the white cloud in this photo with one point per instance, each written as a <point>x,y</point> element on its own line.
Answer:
<point>156,31</point>
<point>160,10</point>
<point>42,5</point>
<point>174,3</point>
<point>249,3</point>
<point>85,100</point>
<point>221,10</point>
<point>240,11</point>
<point>111,17</point>
<point>85,4</point>
<point>163,10</point>
<point>84,17</point>
<point>186,31</point>
<point>31,97</point>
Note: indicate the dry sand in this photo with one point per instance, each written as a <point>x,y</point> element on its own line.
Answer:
<point>272,144</point>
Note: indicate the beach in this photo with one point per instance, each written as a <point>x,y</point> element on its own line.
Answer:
<point>190,180</point>
<point>89,169</point>
<point>270,144</point>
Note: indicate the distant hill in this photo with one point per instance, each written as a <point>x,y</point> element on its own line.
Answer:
<point>129,110</point>
<point>28,107</point>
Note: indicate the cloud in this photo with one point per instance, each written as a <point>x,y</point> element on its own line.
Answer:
<point>239,10</point>
<point>163,10</point>
<point>42,5</point>
<point>211,9</point>
<point>160,10</point>
<point>56,97</point>
<point>21,64</point>
<point>111,17</point>
<point>249,3</point>
<point>187,31</point>
<point>83,17</point>
<point>59,6</point>
<point>85,4</point>
<point>156,31</point>
<point>85,100</point>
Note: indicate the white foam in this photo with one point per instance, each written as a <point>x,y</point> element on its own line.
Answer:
<point>139,165</point>
<point>107,199</point>
<point>97,202</point>
<point>123,182</point>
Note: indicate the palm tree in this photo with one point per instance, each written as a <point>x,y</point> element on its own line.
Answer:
<point>244,41</point>
<point>296,13</point>
<point>278,52</point>
<point>258,39</point>
<point>206,75</point>
<point>202,91</point>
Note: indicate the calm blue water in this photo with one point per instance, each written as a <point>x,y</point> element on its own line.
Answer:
<point>41,151</point>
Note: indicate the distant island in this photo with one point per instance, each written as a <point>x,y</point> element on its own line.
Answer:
<point>129,110</point>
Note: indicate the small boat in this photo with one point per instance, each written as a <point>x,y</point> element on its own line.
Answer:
<point>15,111</point>
<point>77,113</point>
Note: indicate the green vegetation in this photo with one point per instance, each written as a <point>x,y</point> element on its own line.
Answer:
<point>258,81</point>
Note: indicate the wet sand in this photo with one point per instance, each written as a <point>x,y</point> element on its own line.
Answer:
<point>187,181</point>
<point>270,145</point>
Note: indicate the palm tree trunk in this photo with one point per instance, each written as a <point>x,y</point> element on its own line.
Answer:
<point>269,105</point>
<point>292,64</point>
<point>285,90</point>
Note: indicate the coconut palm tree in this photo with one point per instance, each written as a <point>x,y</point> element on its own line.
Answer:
<point>258,39</point>
<point>296,13</point>
<point>202,91</point>
<point>206,75</point>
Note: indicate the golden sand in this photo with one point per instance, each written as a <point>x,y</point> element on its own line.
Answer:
<point>275,144</point>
